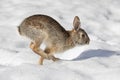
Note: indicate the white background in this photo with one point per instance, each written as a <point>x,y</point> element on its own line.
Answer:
<point>100,60</point>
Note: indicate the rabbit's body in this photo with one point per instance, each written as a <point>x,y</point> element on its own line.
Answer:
<point>42,28</point>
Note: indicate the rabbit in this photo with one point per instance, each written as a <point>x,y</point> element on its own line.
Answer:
<point>41,28</point>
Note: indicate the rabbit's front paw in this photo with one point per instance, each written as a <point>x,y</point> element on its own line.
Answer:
<point>49,56</point>
<point>53,58</point>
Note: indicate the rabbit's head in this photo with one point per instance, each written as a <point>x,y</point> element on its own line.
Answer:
<point>79,36</point>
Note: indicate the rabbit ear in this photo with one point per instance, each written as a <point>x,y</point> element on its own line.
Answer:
<point>76,23</point>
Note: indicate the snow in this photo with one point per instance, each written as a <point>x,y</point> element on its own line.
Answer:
<point>100,60</point>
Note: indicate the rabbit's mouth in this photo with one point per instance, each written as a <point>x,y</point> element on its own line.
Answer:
<point>87,42</point>
<point>83,43</point>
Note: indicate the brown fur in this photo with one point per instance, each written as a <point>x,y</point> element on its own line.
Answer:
<point>42,28</point>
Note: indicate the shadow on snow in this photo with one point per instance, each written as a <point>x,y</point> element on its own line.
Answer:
<point>95,53</point>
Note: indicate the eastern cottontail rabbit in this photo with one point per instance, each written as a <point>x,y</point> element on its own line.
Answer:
<point>42,28</point>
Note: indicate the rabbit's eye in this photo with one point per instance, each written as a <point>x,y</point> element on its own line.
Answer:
<point>83,35</point>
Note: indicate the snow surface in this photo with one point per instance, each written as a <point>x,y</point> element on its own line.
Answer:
<point>98,61</point>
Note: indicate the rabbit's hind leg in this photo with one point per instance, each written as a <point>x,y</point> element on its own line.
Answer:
<point>35,47</point>
<point>41,58</point>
